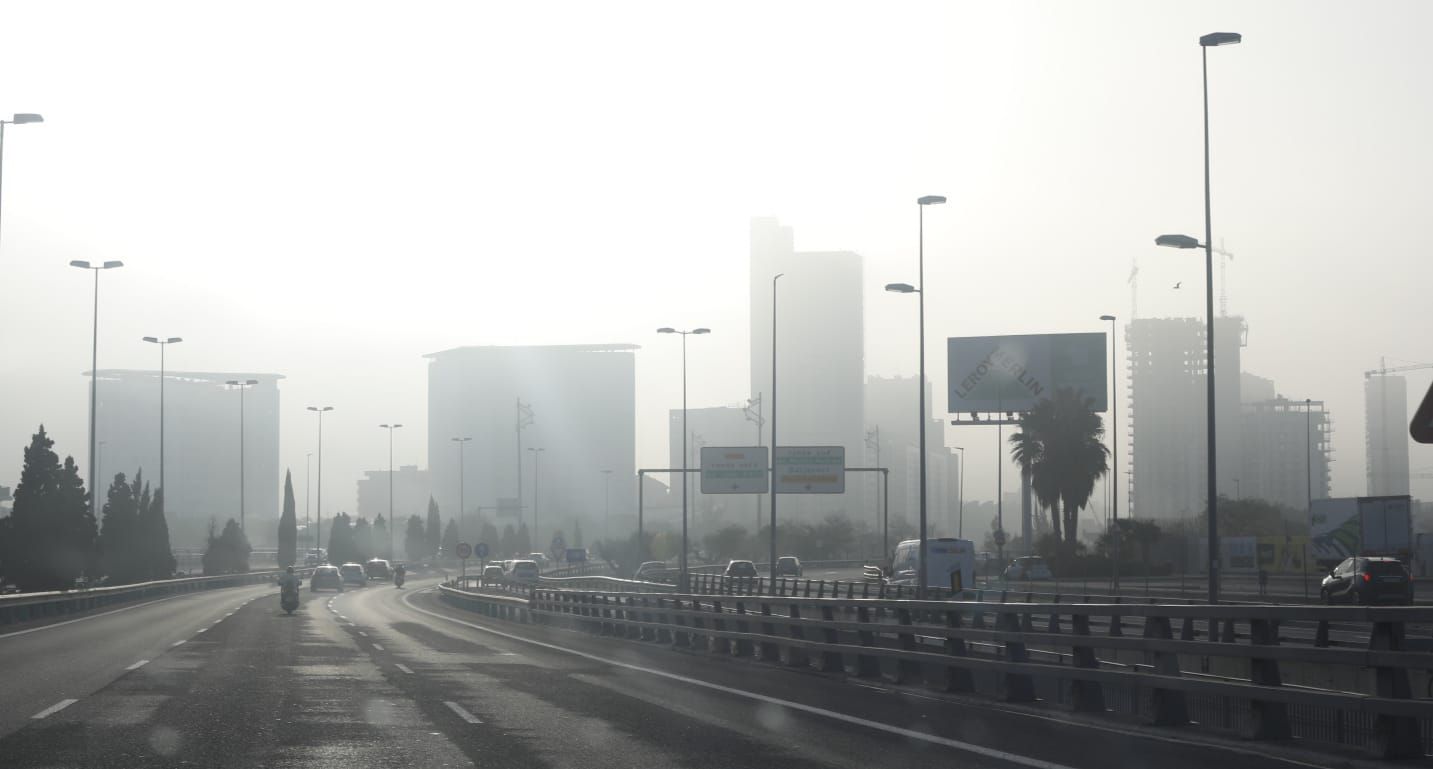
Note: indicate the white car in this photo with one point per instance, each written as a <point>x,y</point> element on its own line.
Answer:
<point>1028,567</point>
<point>523,571</point>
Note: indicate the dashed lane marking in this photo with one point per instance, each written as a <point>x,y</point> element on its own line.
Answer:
<point>453,706</point>
<point>58,706</point>
<point>180,642</point>
<point>379,647</point>
<point>200,630</point>
<point>365,635</point>
<point>138,665</point>
<point>404,668</point>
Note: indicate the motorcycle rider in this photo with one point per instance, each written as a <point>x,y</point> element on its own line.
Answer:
<point>288,581</point>
<point>399,573</point>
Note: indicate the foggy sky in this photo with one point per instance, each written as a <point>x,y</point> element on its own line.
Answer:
<point>330,190</point>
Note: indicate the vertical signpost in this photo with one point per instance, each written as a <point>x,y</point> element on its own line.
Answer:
<point>465,551</point>
<point>481,551</point>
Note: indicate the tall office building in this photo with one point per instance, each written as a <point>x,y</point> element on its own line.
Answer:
<point>1168,412</point>
<point>410,490</point>
<point>201,447</point>
<point>1385,406</point>
<point>891,426</point>
<point>578,404</point>
<point>820,350</point>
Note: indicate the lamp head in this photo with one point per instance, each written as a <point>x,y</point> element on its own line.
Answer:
<point>151,339</point>
<point>666,330</point>
<point>21,118</point>
<point>900,288</point>
<point>80,263</point>
<point>1214,39</point>
<point>1107,317</point>
<point>931,200</point>
<point>112,264</point>
<point>701,331</point>
<point>1176,241</point>
<point>173,339</point>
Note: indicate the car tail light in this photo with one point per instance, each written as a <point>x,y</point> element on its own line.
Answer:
<point>1366,577</point>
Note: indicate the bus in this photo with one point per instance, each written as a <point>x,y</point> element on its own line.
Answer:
<point>950,563</point>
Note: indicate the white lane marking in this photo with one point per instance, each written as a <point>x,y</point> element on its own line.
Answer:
<point>177,643</point>
<point>53,709</point>
<point>379,647</point>
<point>456,708</point>
<point>365,635</point>
<point>404,668</point>
<point>200,630</point>
<point>342,617</point>
<point>138,665</point>
<point>95,616</point>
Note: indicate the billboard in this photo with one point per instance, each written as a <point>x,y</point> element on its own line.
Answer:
<point>1012,373</point>
<point>734,470</point>
<point>810,469</point>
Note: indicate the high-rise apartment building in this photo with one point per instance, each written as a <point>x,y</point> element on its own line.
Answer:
<point>1284,458</point>
<point>1385,407</point>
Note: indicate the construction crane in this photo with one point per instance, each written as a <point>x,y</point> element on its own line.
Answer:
<point>1224,257</point>
<point>1383,370</point>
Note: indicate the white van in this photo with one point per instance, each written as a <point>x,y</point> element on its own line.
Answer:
<point>950,563</point>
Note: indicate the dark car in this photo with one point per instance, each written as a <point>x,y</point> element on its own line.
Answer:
<point>788,566</point>
<point>352,574</point>
<point>740,570</point>
<point>378,568</point>
<point>1368,580</point>
<point>325,578</point>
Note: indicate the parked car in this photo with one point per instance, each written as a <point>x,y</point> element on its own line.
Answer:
<point>522,571</point>
<point>650,569</point>
<point>1367,580</point>
<point>740,570</point>
<point>493,574</point>
<point>326,578</point>
<point>352,574</point>
<point>377,568</point>
<point>1028,567</point>
<point>787,566</point>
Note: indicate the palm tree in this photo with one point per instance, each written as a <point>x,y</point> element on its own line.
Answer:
<point>1060,445</point>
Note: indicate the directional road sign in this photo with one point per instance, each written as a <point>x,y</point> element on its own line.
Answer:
<point>735,470</point>
<point>810,470</point>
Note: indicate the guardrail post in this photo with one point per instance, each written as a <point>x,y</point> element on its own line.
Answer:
<point>905,669</point>
<point>1229,634</point>
<point>664,633</point>
<point>743,646</point>
<point>1271,719</point>
<point>719,644</point>
<point>831,661</point>
<point>1186,629</point>
<point>1393,736</point>
<point>957,679</point>
<point>1116,620</point>
<point>866,665</point>
<point>681,639</point>
<point>698,640</point>
<point>1165,707</point>
<point>1054,626</point>
<point>1086,696</point>
<point>1019,687</point>
<point>796,655</point>
<point>1321,635</point>
<point>770,652</point>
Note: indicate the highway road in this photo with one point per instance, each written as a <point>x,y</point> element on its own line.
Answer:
<point>381,677</point>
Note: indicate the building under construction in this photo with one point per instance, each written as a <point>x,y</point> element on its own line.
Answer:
<point>1285,452</point>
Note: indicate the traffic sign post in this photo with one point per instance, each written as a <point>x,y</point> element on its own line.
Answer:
<point>481,551</point>
<point>465,551</point>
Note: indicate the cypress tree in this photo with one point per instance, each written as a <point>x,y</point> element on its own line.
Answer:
<point>155,533</point>
<point>415,540</point>
<point>362,540</point>
<point>118,533</point>
<point>340,540</point>
<point>450,539</point>
<point>288,526</point>
<point>51,530</point>
<point>380,539</point>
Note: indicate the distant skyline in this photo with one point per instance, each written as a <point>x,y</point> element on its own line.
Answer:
<point>330,191</point>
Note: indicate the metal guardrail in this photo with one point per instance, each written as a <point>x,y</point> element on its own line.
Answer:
<point>1236,673</point>
<point>23,607</point>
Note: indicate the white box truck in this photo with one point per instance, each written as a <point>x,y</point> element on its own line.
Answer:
<point>1349,526</point>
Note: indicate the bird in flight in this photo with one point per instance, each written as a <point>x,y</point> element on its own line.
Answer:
<point>1180,283</point>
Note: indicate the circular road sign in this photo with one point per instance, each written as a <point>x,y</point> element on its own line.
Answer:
<point>481,550</point>
<point>465,550</point>
<point>1000,537</point>
<point>558,544</point>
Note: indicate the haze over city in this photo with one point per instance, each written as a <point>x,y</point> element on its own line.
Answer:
<point>460,175</point>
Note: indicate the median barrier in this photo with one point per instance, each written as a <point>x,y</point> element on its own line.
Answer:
<point>24,607</point>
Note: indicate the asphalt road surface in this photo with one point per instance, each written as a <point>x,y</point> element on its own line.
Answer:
<point>382,677</point>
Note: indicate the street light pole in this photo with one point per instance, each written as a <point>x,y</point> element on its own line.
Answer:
<point>1115,440</point>
<point>163,343</point>
<point>308,522</point>
<point>1184,241</point>
<point>772,562</point>
<point>960,516</point>
<point>94,370</point>
<point>463,485</point>
<point>318,530</point>
<point>682,568</point>
<point>919,288</point>
<point>606,500</point>
<point>536,490</point>
<point>390,429</point>
<point>242,385</point>
<point>18,119</point>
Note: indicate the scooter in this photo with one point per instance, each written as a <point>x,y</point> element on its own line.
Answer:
<point>289,599</point>
<point>398,579</point>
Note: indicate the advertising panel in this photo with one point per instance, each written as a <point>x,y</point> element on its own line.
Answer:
<point>810,469</point>
<point>1013,373</point>
<point>735,470</point>
<point>1282,555</point>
